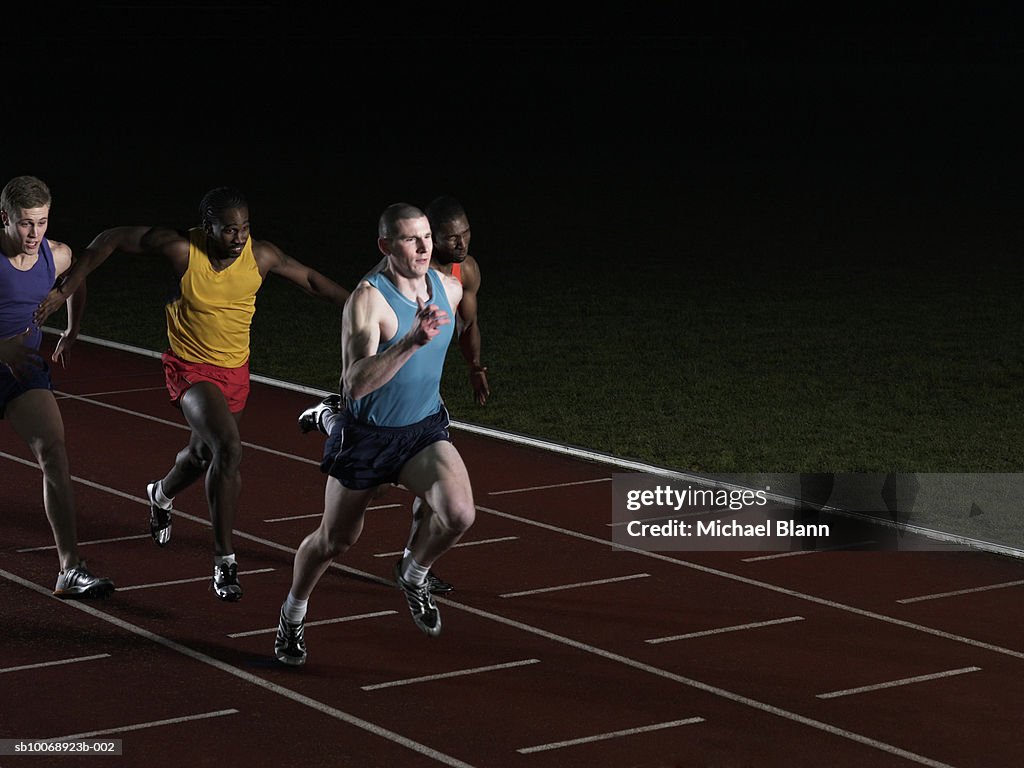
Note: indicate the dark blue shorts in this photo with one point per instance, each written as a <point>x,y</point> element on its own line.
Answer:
<point>10,387</point>
<point>362,456</point>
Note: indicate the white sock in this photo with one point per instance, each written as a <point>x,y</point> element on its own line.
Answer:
<point>218,559</point>
<point>162,501</point>
<point>413,572</point>
<point>294,610</point>
<point>416,520</point>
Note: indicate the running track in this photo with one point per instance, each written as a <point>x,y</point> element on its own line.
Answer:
<point>557,650</point>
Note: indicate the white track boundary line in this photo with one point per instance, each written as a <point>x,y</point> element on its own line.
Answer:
<point>179,425</point>
<point>760,584</point>
<point>959,592</point>
<point>898,683</point>
<point>588,455</point>
<point>586,537</point>
<point>143,726</point>
<point>193,580</point>
<point>723,630</point>
<point>57,663</point>
<point>476,543</point>
<point>447,675</point>
<point>320,623</point>
<point>248,677</point>
<point>629,662</point>
<point>358,722</point>
<point>577,585</point>
<point>606,736</point>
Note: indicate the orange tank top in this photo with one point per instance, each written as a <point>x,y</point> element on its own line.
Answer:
<point>210,321</point>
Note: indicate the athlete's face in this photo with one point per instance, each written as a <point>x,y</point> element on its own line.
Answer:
<point>230,231</point>
<point>409,250</point>
<point>451,241</point>
<point>26,228</point>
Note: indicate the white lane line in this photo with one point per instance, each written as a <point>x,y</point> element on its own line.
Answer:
<point>87,543</point>
<point>661,557</point>
<point>680,516</point>
<point>798,552</point>
<point>721,630</point>
<point>185,427</point>
<point>66,396</point>
<point>141,726</point>
<point>446,675</point>
<point>758,584</point>
<point>577,585</point>
<point>955,593</point>
<point>611,735</point>
<point>626,661</point>
<point>553,485</point>
<point>321,514</point>
<point>607,459</point>
<point>321,622</point>
<point>897,683</point>
<point>42,664</point>
<point>722,693</point>
<point>156,584</point>
<point>248,677</point>
<point>460,544</point>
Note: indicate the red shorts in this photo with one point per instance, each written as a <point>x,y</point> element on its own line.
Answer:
<point>181,374</point>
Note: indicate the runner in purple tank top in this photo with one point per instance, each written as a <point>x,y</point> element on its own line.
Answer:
<point>29,267</point>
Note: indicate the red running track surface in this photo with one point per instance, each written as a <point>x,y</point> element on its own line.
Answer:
<point>557,650</point>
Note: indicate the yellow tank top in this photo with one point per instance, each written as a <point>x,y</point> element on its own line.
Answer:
<point>210,321</point>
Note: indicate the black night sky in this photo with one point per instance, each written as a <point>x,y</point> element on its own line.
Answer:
<point>624,119</point>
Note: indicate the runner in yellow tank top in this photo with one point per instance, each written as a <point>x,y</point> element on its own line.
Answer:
<point>220,269</point>
<point>210,321</point>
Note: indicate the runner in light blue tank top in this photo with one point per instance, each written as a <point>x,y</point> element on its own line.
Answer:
<point>396,404</point>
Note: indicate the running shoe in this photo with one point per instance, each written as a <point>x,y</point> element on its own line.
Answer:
<point>290,645</point>
<point>312,418</point>
<point>159,518</point>
<point>225,582</point>
<point>77,583</point>
<point>421,603</point>
<point>438,585</point>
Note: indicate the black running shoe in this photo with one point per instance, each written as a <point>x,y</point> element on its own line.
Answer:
<point>225,582</point>
<point>290,645</point>
<point>159,518</point>
<point>421,603</point>
<point>77,583</point>
<point>438,585</point>
<point>312,418</point>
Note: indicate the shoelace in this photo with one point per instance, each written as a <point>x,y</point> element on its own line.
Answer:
<point>419,597</point>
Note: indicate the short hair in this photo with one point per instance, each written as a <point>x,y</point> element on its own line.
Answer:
<point>394,213</point>
<point>442,209</point>
<point>218,200</point>
<point>24,192</point>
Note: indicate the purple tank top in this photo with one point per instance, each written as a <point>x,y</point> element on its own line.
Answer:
<point>21,292</point>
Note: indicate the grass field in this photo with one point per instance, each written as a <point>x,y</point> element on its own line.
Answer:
<point>779,336</point>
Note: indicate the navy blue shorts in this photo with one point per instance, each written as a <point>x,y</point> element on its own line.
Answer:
<point>362,456</point>
<point>10,387</point>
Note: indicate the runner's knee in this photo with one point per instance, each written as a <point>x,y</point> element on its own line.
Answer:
<point>457,516</point>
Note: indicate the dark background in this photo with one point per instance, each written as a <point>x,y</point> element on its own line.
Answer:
<point>655,129</point>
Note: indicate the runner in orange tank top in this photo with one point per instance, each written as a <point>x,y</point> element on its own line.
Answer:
<point>220,268</point>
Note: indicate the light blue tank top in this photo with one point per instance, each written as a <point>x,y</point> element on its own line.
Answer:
<point>414,392</point>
